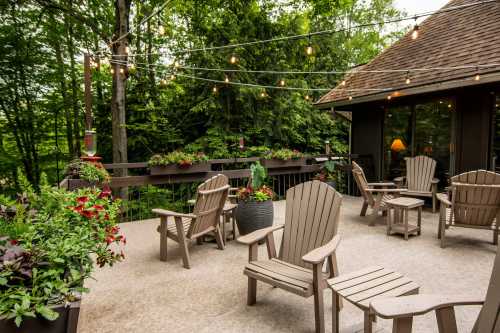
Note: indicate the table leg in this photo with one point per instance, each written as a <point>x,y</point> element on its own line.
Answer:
<point>405,213</point>
<point>368,322</point>
<point>419,221</point>
<point>388,218</point>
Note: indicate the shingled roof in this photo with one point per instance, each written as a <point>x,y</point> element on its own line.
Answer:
<point>466,36</point>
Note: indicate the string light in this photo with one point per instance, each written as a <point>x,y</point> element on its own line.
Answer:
<point>177,64</point>
<point>226,79</point>
<point>309,48</point>
<point>112,70</point>
<point>263,94</point>
<point>350,98</point>
<point>408,80</point>
<point>389,97</point>
<point>282,83</point>
<point>343,83</point>
<point>214,89</point>
<point>122,71</point>
<point>163,82</point>
<point>477,77</point>
<point>127,49</point>
<point>172,77</point>
<point>307,97</point>
<point>233,59</point>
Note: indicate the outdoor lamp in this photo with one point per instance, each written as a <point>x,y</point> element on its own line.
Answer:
<point>398,145</point>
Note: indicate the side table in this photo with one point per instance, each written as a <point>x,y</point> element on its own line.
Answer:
<point>397,216</point>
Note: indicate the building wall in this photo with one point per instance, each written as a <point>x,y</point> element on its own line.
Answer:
<point>366,136</point>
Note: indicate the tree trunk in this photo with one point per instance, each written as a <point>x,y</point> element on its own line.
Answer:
<point>118,111</point>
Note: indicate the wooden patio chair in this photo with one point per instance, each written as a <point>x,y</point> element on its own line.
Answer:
<point>402,309</point>
<point>309,239</point>
<point>475,203</point>
<point>419,179</point>
<point>205,218</point>
<point>375,195</point>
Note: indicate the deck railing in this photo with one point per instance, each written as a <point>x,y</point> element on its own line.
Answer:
<point>142,191</point>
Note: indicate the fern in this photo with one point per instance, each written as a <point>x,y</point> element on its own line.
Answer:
<point>259,175</point>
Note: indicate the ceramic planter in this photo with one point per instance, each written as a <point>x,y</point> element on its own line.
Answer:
<point>67,322</point>
<point>173,169</point>
<point>253,215</point>
<point>277,163</point>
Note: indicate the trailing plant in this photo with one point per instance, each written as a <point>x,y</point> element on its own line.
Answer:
<point>48,248</point>
<point>182,159</point>
<point>89,171</point>
<point>257,191</point>
<point>284,154</point>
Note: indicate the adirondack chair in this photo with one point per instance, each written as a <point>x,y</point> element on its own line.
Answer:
<point>475,203</point>
<point>205,218</point>
<point>419,179</point>
<point>309,238</point>
<point>402,309</point>
<point>375,195</point>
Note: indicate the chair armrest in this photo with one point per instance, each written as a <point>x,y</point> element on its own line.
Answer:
<point>319,255</point>
<point>443,198</point>
<point>387,190</point>
<point>387,184</point>
<point>164,212</point>
<point>258,235</point>
<point>434,181</point>
<point>414,305</point>
<point>399,179</point>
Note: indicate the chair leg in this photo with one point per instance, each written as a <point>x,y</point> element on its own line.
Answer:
<point>335,312</point>
<point>219,239</point>
<point>319,311</point>
<point>252,291</point>
<point>183,243</point>
<point>446,320</point>
<point>364,208</point>
<point>402,325</point>
<point>495,235</point>
<point>163,238</point>
<point>434,203</point>
<point>368,322</point>
<point>442,231</point>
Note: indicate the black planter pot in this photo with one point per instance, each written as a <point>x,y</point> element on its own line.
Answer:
<point>67,322</point>
<point>252,215</point>
<point>332,184</point>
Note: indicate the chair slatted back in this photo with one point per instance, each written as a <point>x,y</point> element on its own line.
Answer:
<point>488,320</point>
<point>311,220</point>
<point>476,197</point>
<point>360,178</point>
<point>210,199</point>
<point>419,173</point>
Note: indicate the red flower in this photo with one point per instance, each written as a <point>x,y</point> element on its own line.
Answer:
<point>106,217</point>
<point>110,239</point>
<point>82,200</point>
<point>98,207</point>
<point>14,242</point>
<point>104,194</point>
<point>88,213</point>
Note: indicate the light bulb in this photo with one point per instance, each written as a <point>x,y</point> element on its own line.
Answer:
<point>214,89</point>
<point>477,77</point>
<point>263,94</point>
<point>226,79</point>
<point>309,50</point>
<point>307,97</point>
<point>112,70</point>
<point>172,77</point>
<point>127,49</point>
<point>389,97</point>
<point>122,71</point>
<point>415,33</point>
<point>233,59</point>
<point>282,83</point>
<point>177,64</point>
<point>408,81</point>
<point>161,30</point>
<point>350,98</point>
<point>343,83</point>
<point>163,82</point>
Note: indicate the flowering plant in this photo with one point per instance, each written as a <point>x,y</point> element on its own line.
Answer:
<point>182,159</point>
<point>92,172</point>
<point>256,191</point>
<point>46,255</point>
<point>284,154</point>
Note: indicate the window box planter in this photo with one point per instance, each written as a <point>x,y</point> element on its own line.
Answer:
<point>172,169</point>
<point>275,163</point>
<point>67,322</point>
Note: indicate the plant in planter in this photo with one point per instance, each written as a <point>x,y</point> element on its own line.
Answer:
<point>327,173</point>
<point>178,161</point>
<point>283,158</point>
<point>92,172</point>
<point>47,250</point>
<point>255,207</point>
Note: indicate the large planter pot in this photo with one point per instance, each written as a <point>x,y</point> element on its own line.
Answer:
<point>67,322</point>
<point>276,163</point>
<point>252,215</point>
<point>173,169</point>
<point>332,184</point>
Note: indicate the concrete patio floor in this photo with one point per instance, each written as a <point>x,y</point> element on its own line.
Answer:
<point>143,294</point>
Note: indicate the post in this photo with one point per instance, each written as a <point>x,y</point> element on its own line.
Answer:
<point>87,72</point>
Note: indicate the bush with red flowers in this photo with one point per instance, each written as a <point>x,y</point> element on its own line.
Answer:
<point>46,256</point>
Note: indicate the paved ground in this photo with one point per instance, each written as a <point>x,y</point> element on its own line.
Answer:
<point>143,294</point>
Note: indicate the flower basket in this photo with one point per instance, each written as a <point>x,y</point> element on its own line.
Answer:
<point>171,169</point>
<point>275,163</point>
<point>66,322</point>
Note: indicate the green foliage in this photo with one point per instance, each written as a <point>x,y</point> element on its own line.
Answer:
<point>177,157</point>
<point>46,249</point>
<point>258,191</point>
<point>284,154</point>
<point>91,172</point>
<point>258,175</point>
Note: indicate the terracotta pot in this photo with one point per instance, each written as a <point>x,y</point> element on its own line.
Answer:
<point>67,322</point>
<point>253,215</point>
<point>173,169</point>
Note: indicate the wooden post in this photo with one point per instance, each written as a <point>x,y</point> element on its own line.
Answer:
<point>87,71</point>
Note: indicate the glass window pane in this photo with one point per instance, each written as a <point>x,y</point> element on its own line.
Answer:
<point>397,140</point>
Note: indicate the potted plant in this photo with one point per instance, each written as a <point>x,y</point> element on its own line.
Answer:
<point>255,206</point>
<point>178,162</point>
<point>47,250</point>
<point>283,158</point>
<point>327,173</point>
<point>82,173</point>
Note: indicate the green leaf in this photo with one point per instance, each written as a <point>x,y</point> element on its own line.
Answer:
<point>3,281</point>
<point>47,312</point>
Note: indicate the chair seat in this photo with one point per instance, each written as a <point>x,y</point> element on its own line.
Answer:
<point>479,226</point>
<point>296,279</point>
<point>416,194</point>
<point>172,229</point>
